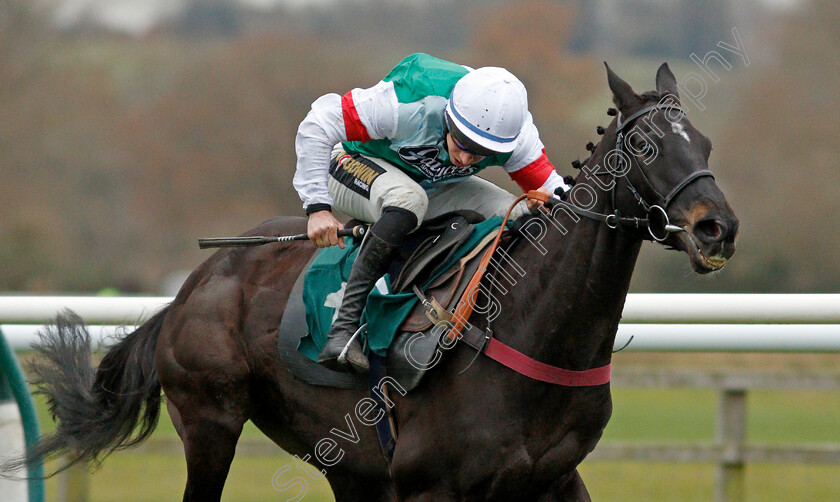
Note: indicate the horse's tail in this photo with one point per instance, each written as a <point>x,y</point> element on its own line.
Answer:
<point>97,411</point>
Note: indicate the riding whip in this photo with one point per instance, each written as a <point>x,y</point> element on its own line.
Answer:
<point>259,240</point>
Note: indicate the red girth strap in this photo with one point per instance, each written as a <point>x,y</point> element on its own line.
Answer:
<point>520,363</point>
<point>509,356</point>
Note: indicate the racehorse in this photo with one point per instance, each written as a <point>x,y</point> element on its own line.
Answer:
<point>486,433</point>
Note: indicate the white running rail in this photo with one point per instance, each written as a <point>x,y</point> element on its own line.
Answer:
<point>657,322</point>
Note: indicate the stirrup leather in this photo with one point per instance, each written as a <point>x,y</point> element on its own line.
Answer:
<point>435,312</point>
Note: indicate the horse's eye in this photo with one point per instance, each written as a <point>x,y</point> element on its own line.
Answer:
<point>640,145</point>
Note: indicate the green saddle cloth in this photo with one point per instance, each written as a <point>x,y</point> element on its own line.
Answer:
<point>323,290</point>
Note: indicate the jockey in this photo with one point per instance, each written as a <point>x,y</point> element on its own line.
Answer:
<point>404,150</point>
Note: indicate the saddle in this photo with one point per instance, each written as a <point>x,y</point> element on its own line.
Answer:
<point>429,248</point>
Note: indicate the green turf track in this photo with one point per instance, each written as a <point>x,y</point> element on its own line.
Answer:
<point>640,414</point>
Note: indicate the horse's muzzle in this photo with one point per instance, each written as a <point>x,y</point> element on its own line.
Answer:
<point>709,239</point>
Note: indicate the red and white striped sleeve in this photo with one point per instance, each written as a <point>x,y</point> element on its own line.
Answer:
<point>529,166</point>
<point>359,115</point>
<point>370,113</point>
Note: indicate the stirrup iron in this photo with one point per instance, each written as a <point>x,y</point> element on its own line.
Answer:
<point>342,357</point>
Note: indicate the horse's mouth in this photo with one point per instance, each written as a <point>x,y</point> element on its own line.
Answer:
<point>700,261</point>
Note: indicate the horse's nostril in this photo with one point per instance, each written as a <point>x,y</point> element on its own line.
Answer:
<point>712,229</point>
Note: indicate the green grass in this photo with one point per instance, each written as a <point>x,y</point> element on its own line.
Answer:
<point>679,415</point>
<point>662,414</point>
<point>796,416</point>
<point>773,417</point>
<point>250,480</point>
<point>127,476</point>
<point>649,482</point>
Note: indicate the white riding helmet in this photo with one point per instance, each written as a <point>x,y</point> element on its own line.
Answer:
<point>488,107</point>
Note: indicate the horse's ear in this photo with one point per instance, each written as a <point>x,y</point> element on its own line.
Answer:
<point>666,83</point>
<point>623,94</point>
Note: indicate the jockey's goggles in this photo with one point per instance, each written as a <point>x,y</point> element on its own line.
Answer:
<point>465,143</point>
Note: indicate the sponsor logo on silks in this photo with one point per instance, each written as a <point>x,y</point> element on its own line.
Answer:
<point>361,184</point>
<point>355,172</point>
<point>425,158</point>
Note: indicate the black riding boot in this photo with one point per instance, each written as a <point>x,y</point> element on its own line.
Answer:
<point>372,262</point>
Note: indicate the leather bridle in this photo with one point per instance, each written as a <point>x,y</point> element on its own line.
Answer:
<point>656,217</point>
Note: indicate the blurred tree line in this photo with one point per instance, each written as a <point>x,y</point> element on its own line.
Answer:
<point>116,153</point>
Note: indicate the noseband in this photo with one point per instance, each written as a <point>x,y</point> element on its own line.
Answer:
<point>656,217</point>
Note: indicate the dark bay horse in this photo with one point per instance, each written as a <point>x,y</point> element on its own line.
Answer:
<point>485,434</point>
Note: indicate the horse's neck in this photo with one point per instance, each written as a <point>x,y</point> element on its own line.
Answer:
<point>565,310</point>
